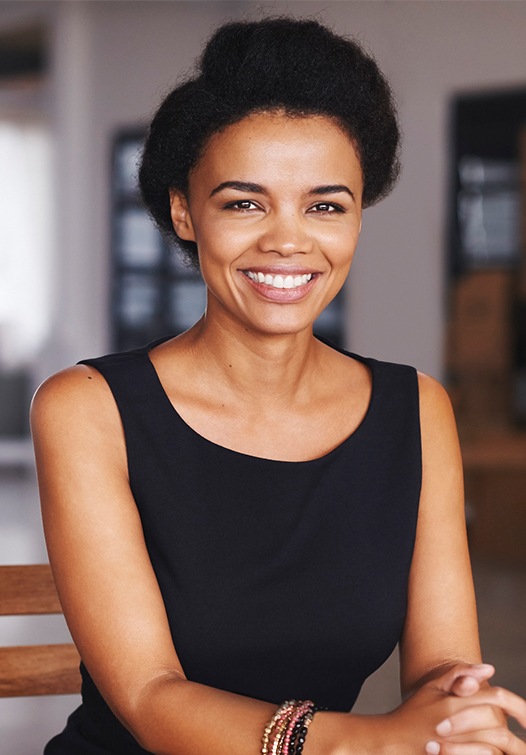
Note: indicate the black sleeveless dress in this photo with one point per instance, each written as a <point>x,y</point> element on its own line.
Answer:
<point>280,579</point>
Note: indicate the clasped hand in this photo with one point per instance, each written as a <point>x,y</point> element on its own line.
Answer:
<point>466,715</point>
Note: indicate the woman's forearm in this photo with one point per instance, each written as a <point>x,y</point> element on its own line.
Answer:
<point>178,717</point>
<point>173,716</point>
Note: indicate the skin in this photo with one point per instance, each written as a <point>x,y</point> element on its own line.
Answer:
<point>259,201</point>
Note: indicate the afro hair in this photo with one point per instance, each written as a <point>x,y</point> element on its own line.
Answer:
<point>299,67</point>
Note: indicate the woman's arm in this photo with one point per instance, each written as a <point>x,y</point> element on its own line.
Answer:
<point>441,624</point>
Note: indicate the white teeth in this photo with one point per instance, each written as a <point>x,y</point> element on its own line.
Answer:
<point>279,281</point>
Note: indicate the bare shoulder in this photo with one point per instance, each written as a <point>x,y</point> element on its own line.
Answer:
<point>77,383</point>
<point>436,411</point>
<point>440,443</point>
<point>75,408</point>
<point>70,392</point>
<point>433,395</point>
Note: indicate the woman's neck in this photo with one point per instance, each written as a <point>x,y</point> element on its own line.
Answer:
<point>257,366</point>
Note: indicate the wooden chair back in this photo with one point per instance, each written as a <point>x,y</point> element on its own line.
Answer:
<point>34,669</point>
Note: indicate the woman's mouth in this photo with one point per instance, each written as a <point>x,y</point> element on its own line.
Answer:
<point>282,286</point>
<point>279,281</point>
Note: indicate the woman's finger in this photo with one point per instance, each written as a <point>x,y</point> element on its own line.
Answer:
<point>474,718</point>
<point>507,701</point>
<point>465,686</point>
<point>488,742</point>
<point>479,671</point>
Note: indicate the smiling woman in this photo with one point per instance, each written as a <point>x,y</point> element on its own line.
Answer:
<point>273,200</point>
<point>244,521</point>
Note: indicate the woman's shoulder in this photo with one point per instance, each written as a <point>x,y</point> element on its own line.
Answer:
<point>434,399</point>
<point>74,419</point>
<point>437,423</point>
<point>77,396</point>
<point>78,383</point>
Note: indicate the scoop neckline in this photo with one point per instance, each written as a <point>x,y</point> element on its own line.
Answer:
<point>369,362</point>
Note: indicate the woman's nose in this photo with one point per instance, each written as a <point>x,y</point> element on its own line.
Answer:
<point>286,234</point>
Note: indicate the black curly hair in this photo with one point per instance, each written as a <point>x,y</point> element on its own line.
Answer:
<point>297,66</point>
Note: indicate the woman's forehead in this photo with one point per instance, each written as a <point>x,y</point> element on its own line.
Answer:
<point>280,126</point>
<point>275,146</point>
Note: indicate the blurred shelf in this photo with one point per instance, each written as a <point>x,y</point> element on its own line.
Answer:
<point>495,477</point>
<point>495,451</point>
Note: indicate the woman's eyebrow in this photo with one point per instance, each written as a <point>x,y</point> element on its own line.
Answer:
<point>240,186</point>
<point>330,189</point>
<point>254,188</point>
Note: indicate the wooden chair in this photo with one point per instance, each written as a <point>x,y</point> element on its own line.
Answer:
<point>34,669</point>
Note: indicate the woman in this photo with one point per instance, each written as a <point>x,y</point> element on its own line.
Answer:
<point>245,515</point>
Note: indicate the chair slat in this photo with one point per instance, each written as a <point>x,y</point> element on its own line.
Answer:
<point>39,670</point>
<point>27,589</point>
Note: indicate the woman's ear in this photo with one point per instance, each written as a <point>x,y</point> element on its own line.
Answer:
<point>182,222</point>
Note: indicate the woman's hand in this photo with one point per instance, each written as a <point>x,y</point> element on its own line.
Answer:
<point>456,713</point>
<point>480,727</point>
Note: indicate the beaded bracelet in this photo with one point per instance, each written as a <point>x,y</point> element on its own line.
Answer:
<point>301,730</point>
<point>281,713</point>
<point>299,714</point>
<point>286,731</point>
<point>279,737</point>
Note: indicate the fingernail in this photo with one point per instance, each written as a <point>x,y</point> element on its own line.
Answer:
<point>433,748</point>
<point>444,728</point>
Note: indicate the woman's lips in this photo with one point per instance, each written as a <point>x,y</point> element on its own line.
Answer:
<point>283,286</point>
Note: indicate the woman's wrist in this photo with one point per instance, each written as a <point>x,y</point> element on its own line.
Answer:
<point>333,733</point>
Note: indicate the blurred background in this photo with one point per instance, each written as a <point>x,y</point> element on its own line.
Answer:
<point>439,280</point>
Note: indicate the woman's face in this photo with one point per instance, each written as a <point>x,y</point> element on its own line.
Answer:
<point>274,206</point>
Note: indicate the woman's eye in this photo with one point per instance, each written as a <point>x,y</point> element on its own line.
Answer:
<point>327,207</point>
<point>241,204</point>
